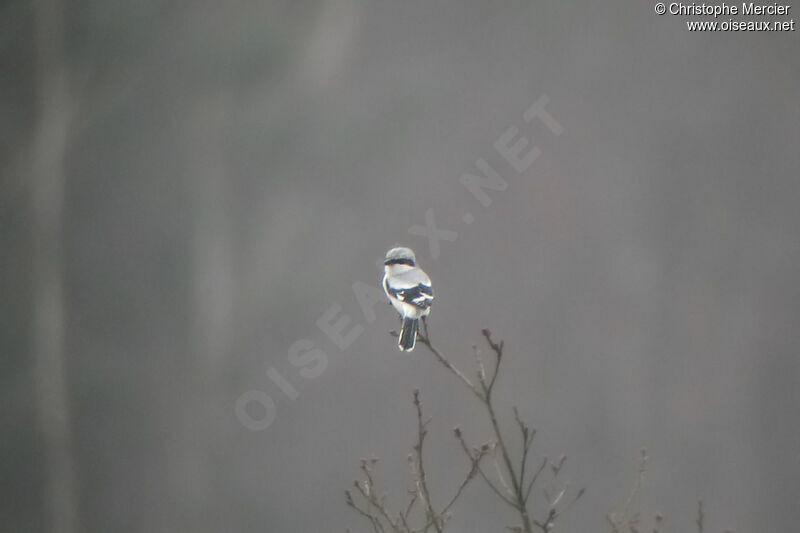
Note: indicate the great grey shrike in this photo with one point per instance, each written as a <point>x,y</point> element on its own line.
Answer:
<point>409,291</point>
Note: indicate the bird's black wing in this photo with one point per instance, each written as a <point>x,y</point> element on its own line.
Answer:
<point>419,295</point>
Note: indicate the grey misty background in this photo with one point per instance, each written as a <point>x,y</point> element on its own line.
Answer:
<point>210,177</point>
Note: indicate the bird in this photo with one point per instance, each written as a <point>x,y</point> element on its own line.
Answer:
<point>409,291</point>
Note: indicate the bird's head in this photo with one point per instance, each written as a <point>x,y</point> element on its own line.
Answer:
<point>400,256</point>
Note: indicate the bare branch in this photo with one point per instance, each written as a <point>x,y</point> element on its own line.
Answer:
<point>475,460</point>
<point>700,516</point>
<point>514,488</point>
<point>367,492</point>
<point>499,473</point>
<point>572,502</point>
<point>534,478</point>
<point>410,506</point>
<point>488,481</point>
<point>426,340</point>
<point>498,352</point>
<point>623,520</point>
<point>376,523</point>
<point>527,440</point>
<point>547,524</point>
<point>425,496</point>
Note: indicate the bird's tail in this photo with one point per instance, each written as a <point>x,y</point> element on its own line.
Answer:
<point>408,334</point>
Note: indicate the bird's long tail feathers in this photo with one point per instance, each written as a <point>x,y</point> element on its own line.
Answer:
<point>408,334</point>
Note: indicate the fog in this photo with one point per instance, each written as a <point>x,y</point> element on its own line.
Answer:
<point>190,188</point>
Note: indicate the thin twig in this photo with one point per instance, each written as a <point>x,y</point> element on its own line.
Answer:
<point>500,475</point>
<point>623,520</point>
<point>359,510</point>
<point>374,502</point>
<point>515,489</point>
<point>527,440</point>
<point>426,340</point>
<point>474,466</point>
<point>376,523</point>
<point>409,507</point>
<point>534,478</point>
<point>572,502</point>
<point>425,494</point>
<point>700,516</point>
<point>488,481</point>
<point>515,483</point>
<point>498,351</point>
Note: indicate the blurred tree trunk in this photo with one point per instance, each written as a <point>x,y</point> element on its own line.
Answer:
<point>212,278</point>
<point>202,411</point>
<point>49,145</point>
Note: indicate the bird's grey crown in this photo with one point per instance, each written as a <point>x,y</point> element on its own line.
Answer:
<point>400,254</point>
